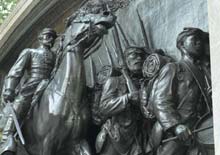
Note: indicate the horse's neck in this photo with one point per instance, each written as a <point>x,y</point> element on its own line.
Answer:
<point>67,88</point>
<point>74,74</point>
<point>75,78</point>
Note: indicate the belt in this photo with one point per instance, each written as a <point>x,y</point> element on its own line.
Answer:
<point>41,76</point>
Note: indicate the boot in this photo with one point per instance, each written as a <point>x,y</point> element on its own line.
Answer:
<point>8,142</point>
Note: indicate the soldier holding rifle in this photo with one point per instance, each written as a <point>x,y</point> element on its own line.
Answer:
<point>119,104</point>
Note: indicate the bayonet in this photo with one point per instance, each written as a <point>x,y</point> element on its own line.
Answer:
<point>116,55</point>
<point>100,60</point>
<point>118,47</point>
<point>123,34</point>
<point>114,51</point>
<point>93,73</point>
<point>146,41</point>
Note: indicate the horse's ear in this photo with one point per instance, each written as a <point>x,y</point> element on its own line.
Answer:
<point>69,19</point>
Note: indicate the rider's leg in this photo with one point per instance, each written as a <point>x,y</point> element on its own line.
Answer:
<point>8,144</point>
<point>20,106</point>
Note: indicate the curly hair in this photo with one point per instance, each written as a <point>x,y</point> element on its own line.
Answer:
<point>188,31</point>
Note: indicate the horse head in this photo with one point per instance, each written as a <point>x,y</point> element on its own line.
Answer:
<point>88,24</point>
<point>62,111</point>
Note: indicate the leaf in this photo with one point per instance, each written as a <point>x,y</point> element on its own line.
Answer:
<point>6,7</point>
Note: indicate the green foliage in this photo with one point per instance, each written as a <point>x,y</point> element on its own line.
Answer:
<point>6,7</point>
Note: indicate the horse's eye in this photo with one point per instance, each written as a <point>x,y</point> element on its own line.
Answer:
<point>106,13</point>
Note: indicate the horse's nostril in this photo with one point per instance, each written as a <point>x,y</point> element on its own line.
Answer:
<point>106,13</point>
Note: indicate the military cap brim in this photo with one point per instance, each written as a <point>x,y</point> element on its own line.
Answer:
<point>49,31</point>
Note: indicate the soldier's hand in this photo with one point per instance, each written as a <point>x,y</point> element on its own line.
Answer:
<point>8,96</point>
<point>183,132</point>
<point>134,96</point>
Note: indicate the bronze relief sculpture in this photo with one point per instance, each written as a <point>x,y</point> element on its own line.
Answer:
<point>58,123</point>
<point>142,103</point>
<point>39,64</point>
<point>178,97</point>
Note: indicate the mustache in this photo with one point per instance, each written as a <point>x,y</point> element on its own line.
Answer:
<point>137,62</point>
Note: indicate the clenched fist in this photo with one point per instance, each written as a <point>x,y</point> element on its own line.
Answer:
<point>183,132</point>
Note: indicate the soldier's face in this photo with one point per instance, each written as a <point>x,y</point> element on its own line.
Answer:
<point>47,40</point>
<point>134,60</point>
<point>193,46</point>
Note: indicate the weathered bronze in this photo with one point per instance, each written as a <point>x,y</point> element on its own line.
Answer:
<point>140,102</point>
<point>177,95</point>
<point>58,123</point>
<point>38,63</point>
<point>119,104</point>
<point>120,133</point>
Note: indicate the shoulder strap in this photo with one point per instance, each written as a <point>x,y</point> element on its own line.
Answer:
<point>200,80</point>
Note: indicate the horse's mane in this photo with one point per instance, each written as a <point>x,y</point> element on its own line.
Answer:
<point>93,7</point>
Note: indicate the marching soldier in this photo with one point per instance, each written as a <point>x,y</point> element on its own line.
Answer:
<point>121,133</point>
<point>175,95</point>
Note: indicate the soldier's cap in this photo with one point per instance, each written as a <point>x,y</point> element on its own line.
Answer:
<point>142,50</point>
<point>136,49</point>
<point>49,31</point>
<point>188,31</point>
